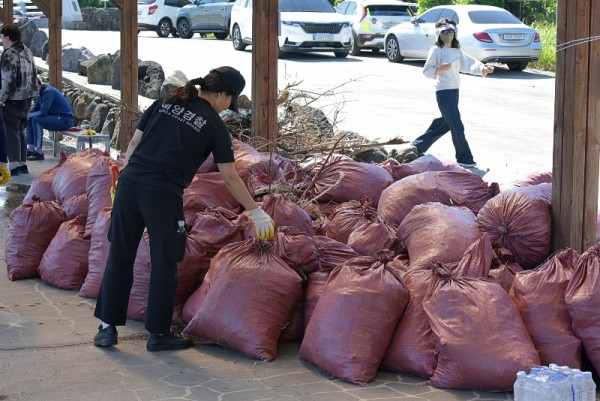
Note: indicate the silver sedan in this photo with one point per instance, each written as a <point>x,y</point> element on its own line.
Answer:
<point>489,34</point>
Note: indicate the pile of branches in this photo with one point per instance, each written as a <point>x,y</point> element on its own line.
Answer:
<point>304,130</point>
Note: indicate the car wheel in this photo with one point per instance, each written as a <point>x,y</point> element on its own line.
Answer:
<point>238,43</point>
<point>341,54</point>
<point>392,50</point>
<point>184,29</point>
<point>221,35</point>
<point>517,65</point>
<point>355,49</point>
<point>164,28</point>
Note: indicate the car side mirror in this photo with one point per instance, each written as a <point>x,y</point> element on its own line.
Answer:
<point>415,20</point>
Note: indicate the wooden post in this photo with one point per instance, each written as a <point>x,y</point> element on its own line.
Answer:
<point>7,12</point>
<point>265,25</point>
<point>53,10</point>
<point>129,65</point>
<point>576,126</point>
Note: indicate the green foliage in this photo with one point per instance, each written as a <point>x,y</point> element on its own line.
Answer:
<point>95,3</point>
<point>547,61</point>
<point>534,11</point>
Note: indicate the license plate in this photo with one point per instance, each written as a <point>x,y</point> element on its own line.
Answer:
<point>513,36</point>
<point>322,36</point>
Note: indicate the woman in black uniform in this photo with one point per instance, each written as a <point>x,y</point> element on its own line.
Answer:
<point>172,139</point>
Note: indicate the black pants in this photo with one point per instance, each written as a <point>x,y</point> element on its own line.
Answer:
<point>137,206</point>
<point>15,120</point>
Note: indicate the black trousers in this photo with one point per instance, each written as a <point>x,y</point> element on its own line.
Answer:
<point>138,206</point>
<point>15,120</point>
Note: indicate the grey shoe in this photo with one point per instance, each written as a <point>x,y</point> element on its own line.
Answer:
<point>106,337</point>
<point>168,342</point>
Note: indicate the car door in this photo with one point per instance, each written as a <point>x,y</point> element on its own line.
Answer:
<point>419,38</point>
<point>198,14</point>
<point>217,14</point>
<point>244,20</point>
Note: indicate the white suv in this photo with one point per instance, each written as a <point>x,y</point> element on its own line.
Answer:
<point>372,18</point>
<point>305,26</point>
<point>159,15</point>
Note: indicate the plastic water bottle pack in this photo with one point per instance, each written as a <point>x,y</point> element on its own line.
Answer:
<point>554,383</point>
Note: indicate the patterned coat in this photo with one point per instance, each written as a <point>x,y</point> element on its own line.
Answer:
<point>18,75</point>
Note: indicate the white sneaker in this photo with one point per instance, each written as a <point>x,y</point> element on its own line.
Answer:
<point>468,165</point>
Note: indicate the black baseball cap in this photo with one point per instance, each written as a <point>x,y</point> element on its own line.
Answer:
<point>234,80</point>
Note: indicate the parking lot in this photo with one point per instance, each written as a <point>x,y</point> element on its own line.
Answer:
<point>508,116</point>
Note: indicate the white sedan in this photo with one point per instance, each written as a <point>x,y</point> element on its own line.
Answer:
<point>489,34</point>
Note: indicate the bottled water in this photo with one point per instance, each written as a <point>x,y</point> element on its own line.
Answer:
<point>554,383</point>
<point>589,387</point>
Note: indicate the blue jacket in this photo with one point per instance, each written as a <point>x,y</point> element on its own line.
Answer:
<point>52,102</point>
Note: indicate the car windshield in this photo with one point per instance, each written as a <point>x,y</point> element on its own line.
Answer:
<point>493,17</point>
<point>319,6</point>
<point>390,11</point>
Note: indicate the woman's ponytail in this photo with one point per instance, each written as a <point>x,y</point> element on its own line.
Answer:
<point>185,94</point>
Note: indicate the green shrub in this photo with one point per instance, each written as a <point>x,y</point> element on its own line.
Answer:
<point>547,61</point>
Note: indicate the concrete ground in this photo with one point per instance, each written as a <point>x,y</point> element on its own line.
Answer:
<point>46,353</point>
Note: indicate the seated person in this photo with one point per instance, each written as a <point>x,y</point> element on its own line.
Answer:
<point>52,112</point>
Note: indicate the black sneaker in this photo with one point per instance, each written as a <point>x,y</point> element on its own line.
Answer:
<point>35,156</point>
<point>14,171</point>
<point>23,169</point>
<point>106,337</point>
<point>168,342</point>
<point>31,153</point>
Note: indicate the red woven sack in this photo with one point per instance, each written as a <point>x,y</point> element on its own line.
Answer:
<point>356,181</point>
<point>246,298</point>
<point>480,338</point>
<point>436,232</point>
<point>314,288</point>
<point>75,206</point>
<point>421,165</point>
<point>215,228</point>
<point>71,177</point>
<point>355,318</point>
<point>297,250</point>
<point>505,275</point>
<point>333,253</point>
<point>582,298</point>
<point>65,262</point>
<point>540,298</point>
<point>519,219</point>
<point>98,185</point>
<point>287,213</point>
<point>206,191</point>
<point>349,216</point>
<point>42,185</point>
<point>30,231</point>
<point>451,188</point>
<point>411,350</point>
<point>138,298</point>
<point>98,255</point>
<point>190,273</point>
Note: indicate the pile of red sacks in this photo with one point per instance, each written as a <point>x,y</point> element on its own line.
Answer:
<point>420,268</point>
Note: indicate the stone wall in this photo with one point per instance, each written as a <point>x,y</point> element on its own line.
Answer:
<point>94,19</point>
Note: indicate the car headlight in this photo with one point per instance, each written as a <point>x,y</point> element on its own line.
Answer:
<point>290,23</point>
<point>345,24</point>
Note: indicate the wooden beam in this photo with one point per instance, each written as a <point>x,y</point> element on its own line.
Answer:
<point>129,65</point>
<point>265,49</point>
<point>53,10</point>
<point>7,12</point>
<point>576,127</point>
<point>44,6</point>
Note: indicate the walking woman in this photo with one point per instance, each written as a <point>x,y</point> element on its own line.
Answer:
<point>444,64</point>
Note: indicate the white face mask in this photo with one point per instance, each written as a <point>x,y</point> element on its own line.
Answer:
<point>447,36</point>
